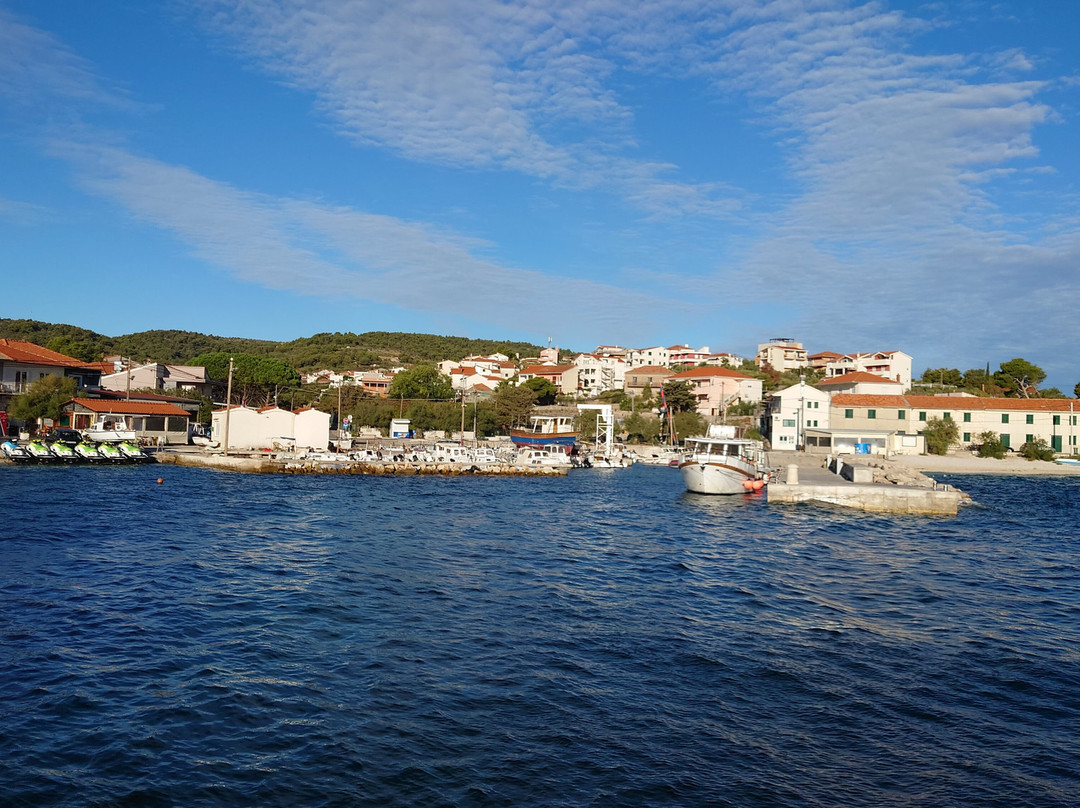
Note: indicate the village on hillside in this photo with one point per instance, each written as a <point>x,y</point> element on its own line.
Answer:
<point>827,402</point>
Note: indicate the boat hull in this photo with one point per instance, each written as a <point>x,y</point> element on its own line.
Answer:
<point>717,478</point>
<point>523,438</point>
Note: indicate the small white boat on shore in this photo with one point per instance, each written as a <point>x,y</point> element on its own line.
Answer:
<point>110,428</point>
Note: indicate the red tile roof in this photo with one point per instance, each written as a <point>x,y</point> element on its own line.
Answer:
<point>653,369</point>
<point>546,370</point>
<point>128,407</point>
<point>17,350</point>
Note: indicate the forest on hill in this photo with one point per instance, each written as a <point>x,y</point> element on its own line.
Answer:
<point>333,351</point>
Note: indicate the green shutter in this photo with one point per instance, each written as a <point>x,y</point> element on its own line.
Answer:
<point>849,413</point>
<point>967,417</point>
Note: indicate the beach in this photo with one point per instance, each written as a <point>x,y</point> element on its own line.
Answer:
<point>970,464</point>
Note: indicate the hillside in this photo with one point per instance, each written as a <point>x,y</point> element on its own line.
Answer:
<point>335,351</point>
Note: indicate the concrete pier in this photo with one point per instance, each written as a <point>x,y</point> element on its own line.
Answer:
<point>852,486</point>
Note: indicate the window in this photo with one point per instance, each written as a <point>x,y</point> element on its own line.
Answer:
<point>967,437</point>
<point>900,414</point>
<point>1029,438</point>
<point>967,417</point>
<point>789,422</point>
<point>871,413</point>
<point>922,416</point>
<point>946,416</point>
<point>1057,420</point>
<point>849,413</point>
<point>1004,417</point>
<point>1030,419</point>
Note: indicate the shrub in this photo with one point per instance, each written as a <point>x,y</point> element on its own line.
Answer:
<point>1037,450</point>
<point>992,445</point>
<point>940,435</point>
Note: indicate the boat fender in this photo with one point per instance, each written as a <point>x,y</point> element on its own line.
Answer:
<point>748,485</point>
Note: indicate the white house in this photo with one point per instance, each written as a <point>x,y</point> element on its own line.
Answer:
<point>781,354</point>
<point>895,365</point>
<point>792,411</point>
<point>657,355</point>
<point>597,373</point>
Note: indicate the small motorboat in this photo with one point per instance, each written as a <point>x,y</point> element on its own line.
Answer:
<point>13,451</point>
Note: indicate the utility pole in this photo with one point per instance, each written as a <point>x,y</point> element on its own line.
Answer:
<point>228,408</point>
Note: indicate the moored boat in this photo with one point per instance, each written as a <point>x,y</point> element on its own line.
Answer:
<point>111,453</point>
<point>723,465</point>
<point>88,451</point>
<point>547,430</point>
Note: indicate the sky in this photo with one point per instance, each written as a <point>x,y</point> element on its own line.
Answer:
<point>855,176</point>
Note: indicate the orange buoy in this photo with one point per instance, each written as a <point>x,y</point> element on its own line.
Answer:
<point>748,485</point>
<point>759,484</point>
<point>160,481</point>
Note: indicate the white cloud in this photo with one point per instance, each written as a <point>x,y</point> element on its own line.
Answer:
<point>315,249</point>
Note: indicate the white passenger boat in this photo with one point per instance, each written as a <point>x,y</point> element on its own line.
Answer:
<point>723,465</point>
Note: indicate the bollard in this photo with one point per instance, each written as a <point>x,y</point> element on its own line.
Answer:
<point>792,475</point>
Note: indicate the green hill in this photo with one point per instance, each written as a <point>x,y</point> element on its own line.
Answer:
<point>336,351</point>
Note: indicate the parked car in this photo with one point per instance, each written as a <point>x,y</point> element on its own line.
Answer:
<point>69,437</point>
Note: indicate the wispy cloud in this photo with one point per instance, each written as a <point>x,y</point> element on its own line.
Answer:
<point>481,84</point>
<point>315,249</point>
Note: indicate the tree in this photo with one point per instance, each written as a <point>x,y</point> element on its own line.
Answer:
<point>513,404</point>
<point>422,381</point>
<point>546,392</point>
<point>1076,390</point>
<point>940,435</point>
<point>640,428</point>
<point>255,378</point>
<point>943,376</point>
<point>1020,377</point>
<point>991,445</point>
<point>680,396</point>
<point>43,399</point>
<point>688,424</point>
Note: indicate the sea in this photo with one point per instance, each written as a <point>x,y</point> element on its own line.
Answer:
<point>599,639</point>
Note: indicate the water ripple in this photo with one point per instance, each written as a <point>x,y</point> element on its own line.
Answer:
<point>601,639</point>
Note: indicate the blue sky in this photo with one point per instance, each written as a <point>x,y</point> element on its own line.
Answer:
<point>858,176</point>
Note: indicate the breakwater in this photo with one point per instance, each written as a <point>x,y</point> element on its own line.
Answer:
<point>300,465</point>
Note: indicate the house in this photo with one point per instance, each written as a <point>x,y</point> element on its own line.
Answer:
<point>895,365</point>
<point>638,378</point>
<point>723,359</point>
<point>860,383</point>
<point>717,388</point>
<point>782,354</point>
<point>656,356</point>
<point>1014,420</point>
<point>598,373</point>
<point>819,360</point>
<point>23,363</point>
<point>685,355</point>
<point>791,412</point>
<point>154,421</point>
<point>564,377</point>
<point>158,376</point>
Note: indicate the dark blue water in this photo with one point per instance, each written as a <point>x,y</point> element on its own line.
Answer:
<point>598,640</point>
